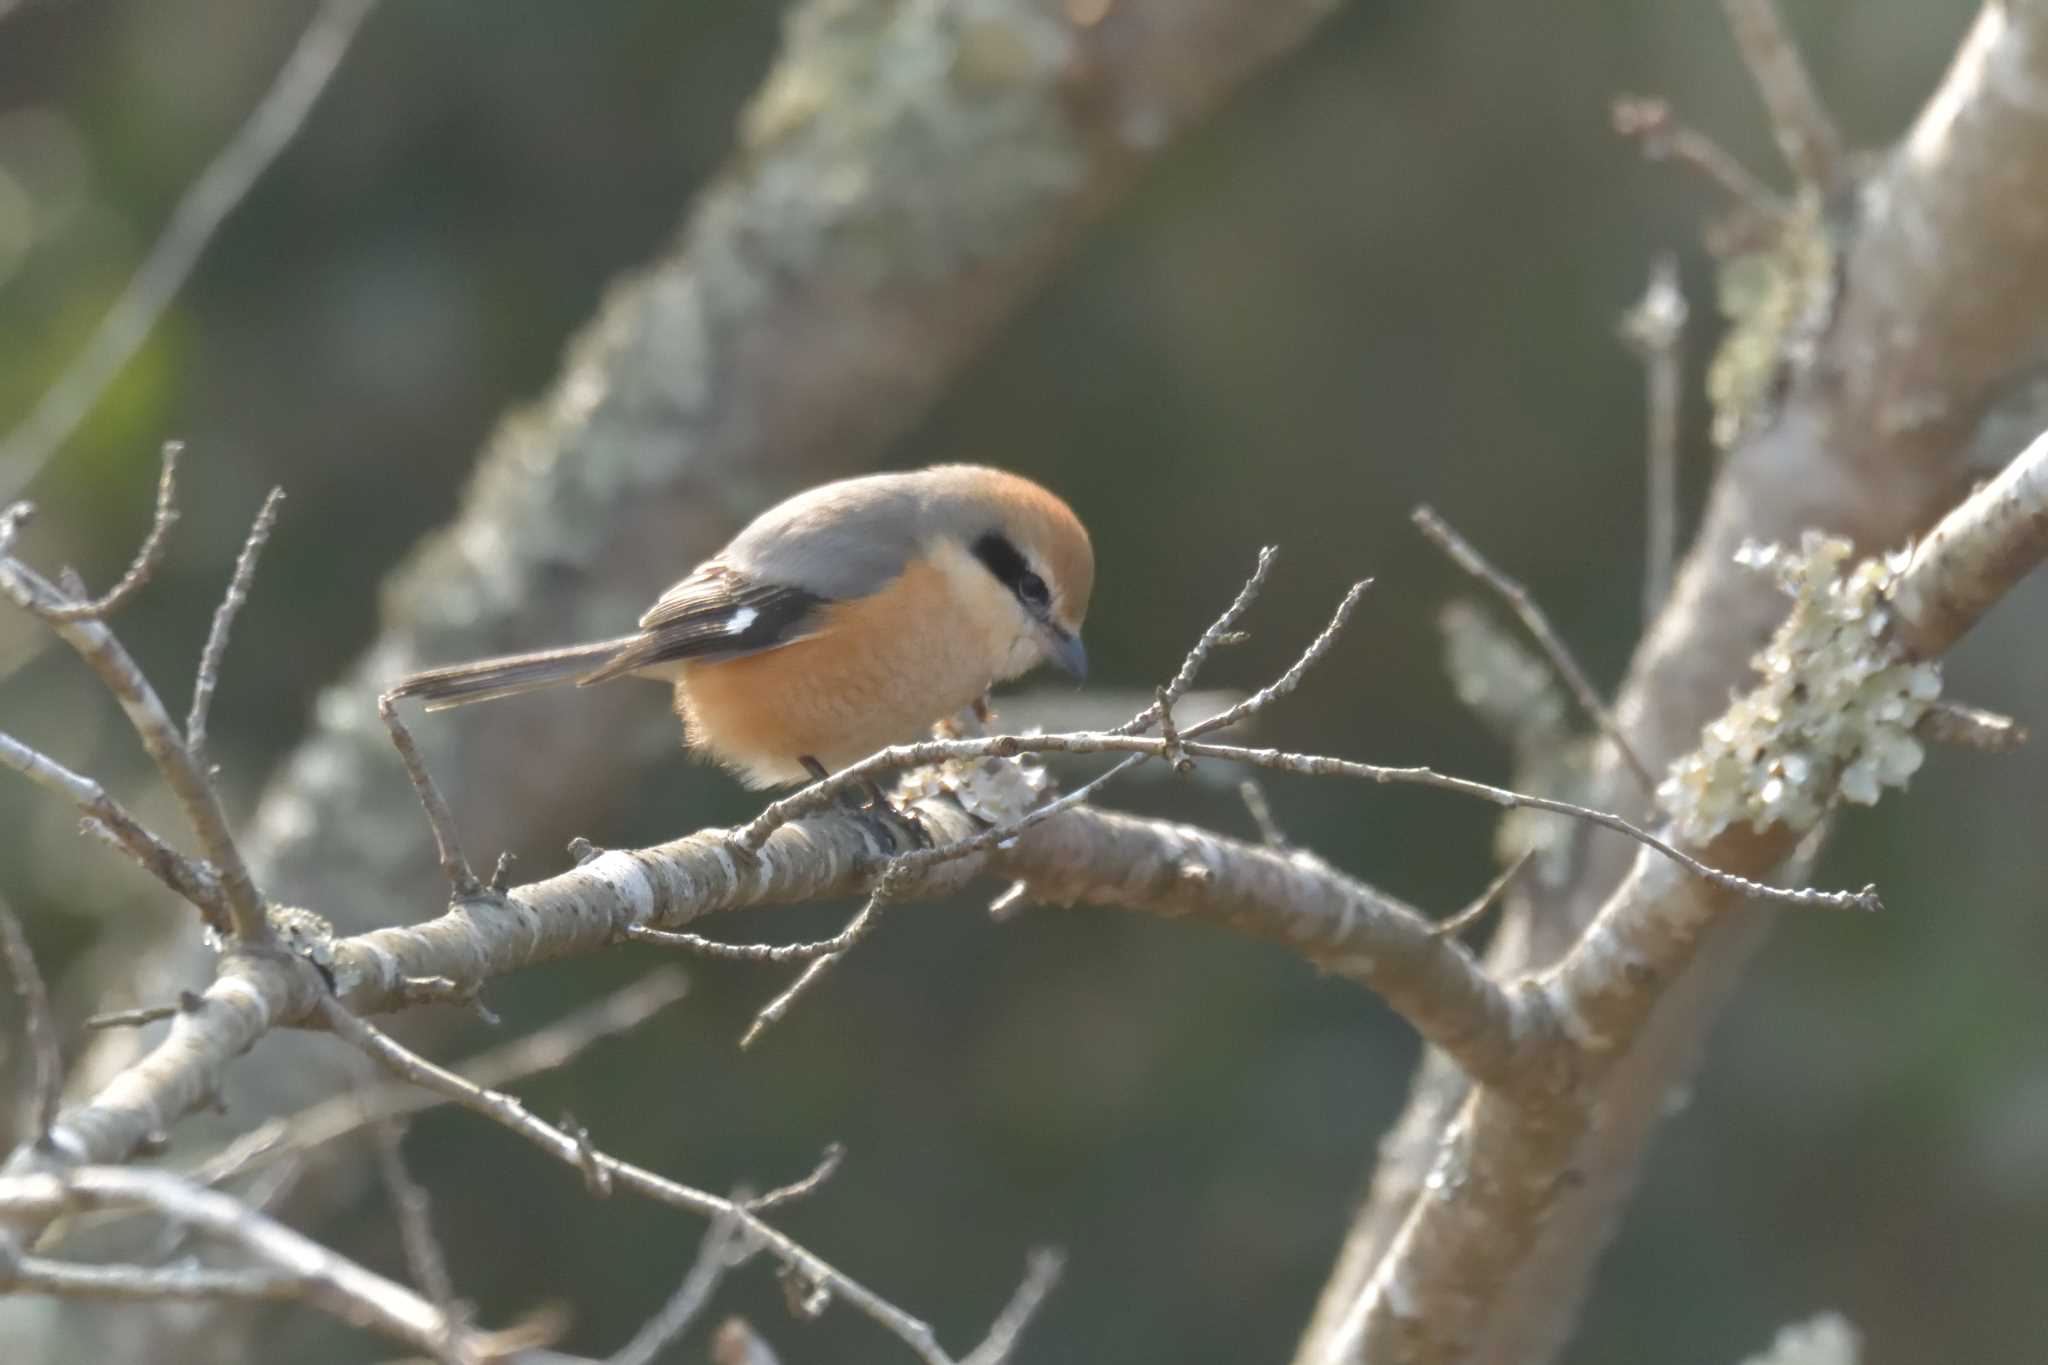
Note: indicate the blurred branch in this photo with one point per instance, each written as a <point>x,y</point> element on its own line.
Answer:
<point>1805,130</point>
<point>1655,330</point>
<point>43,1078</point>
<point>269,129</point>
<point>1041,1274</point>
<point>286,1265</point>
<point>545,1049</point>
<point>1467,557</point>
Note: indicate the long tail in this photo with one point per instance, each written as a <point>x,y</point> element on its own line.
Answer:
<point>489,679</point>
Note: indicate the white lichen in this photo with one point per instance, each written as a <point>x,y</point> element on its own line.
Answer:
<point>1824,1340</point>
<point>1834,713</point>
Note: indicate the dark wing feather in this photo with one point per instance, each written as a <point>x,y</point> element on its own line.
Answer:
<point>716,613</point>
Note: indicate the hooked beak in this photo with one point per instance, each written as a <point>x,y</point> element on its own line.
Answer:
<point>1064,651</point>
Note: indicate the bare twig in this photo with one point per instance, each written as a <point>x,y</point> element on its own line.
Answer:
<point>1254,797</point>
<point>107,818</point>
<point>1970,727</point>
<point>135,1018</point>
<point>1296,671</point>
<point>1220,631</point>
<point>1041,1273</point>
<point>774,953</point>
<point>43,1083</point>
<point>118,672</point>
<point>546,1049</point>
<point>288,1264</point>
<point>827,790</point>
<point>462,881</point>
<point>827,1167</point>
<point>1468,558</point>
<point>1650,123</point>
<point>223,620</point>
<point>43,1275</point>
<point>578,1153</point>
<point>1655,330</point>
<point>857,928</point>
<point>147,557</point>
<point>1805,130</point>
<point>271,126</point>
<point>714,1258</point>
<point>423,1254</point>
<point>1456,924</point>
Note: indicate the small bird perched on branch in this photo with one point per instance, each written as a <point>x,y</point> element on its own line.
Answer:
<point>846,619</point>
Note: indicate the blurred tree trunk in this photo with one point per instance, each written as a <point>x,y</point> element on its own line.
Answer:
<point>906,177</point>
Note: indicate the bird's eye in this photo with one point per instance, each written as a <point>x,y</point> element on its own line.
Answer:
<point>1031,588</point>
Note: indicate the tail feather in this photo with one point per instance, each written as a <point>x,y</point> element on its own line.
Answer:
<point>510,675</point>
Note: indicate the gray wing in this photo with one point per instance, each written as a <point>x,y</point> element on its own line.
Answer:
<point>717,613</point>
<point>841,541</point>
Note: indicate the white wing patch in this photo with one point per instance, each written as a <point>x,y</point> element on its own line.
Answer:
<point>741,619</point>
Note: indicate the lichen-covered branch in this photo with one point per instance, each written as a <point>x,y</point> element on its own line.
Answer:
<point>1507,1162</point>
<point>1943,293</point>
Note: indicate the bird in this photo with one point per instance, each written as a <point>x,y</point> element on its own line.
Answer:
<point>845,619</point>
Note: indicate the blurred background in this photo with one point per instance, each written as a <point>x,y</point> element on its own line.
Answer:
<point>1389,272</point>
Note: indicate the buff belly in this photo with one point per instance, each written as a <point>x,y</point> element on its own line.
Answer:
<point>878,672</point>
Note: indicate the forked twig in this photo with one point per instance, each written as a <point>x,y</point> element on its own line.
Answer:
<point>147,557</point>
<point>1468,558</point>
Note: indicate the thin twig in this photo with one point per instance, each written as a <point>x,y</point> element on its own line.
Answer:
<point>67,1279</point>
<point>658,1333</point>
<point>1655,330</point>
<point>223,620</point>
<point>462,881</point>
<point>107,818</point>
<point>1220,631</point>
<point>1041,1273</point>
<point>827,1167</point>
<point>423,1254</point>
<point>1970,727</point>
<point>288,1264</point>
<point>858,928</point>
<point>773,953</point>
<point>1296,671</point>
<point>147,558</point>
<point>578,1153</point>
<point>135,1018</point>
<point>1456,924</point>
<point>1261,810</point>
<point>1805,130</point>
<point>1466,557</point>
<point>1650,124</point>
<point>826,790</point>
<point>43,1083</point>
<point>270,127</point>
<point>545,1049</point>
<point>118,672</point>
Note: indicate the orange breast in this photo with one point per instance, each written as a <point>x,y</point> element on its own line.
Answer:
<point>879,672</point>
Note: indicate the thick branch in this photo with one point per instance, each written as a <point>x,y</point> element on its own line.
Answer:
<point>1944,293</point>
